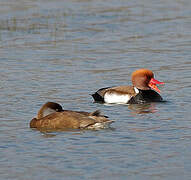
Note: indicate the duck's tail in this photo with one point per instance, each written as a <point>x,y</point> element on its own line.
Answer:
<point>100,125</point>
<point>97,113</point>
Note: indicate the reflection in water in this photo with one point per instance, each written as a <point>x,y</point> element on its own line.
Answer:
<point>53,132</point>
<point>46,130</point>
<point>142,108</point>
<point>48,133</point>
<point>145,129</point>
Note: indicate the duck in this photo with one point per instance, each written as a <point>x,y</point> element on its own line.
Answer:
<point>52,116</point>
<point>143,90</point>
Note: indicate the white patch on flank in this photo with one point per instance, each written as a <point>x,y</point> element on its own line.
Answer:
<point>97,126</point>
<point>101,125</point>
<point>116,98</point>
<point>136,90</point>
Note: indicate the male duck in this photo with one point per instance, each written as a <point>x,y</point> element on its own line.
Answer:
<point>141,91</point>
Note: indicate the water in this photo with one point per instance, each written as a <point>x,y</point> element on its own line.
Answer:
<point>63,51</point>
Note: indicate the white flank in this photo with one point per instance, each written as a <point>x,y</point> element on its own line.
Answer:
<point>116,98</point>
<point>136,90</point>
<point>98,126</point>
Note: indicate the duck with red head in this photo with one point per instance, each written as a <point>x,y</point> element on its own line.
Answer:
<point>144,89</point>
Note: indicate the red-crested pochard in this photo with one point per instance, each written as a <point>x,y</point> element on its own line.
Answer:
<point>143,90</point>
<point>52,116</point>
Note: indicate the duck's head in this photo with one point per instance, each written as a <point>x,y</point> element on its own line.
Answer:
<point>48,108</point>
<point>144,79</point>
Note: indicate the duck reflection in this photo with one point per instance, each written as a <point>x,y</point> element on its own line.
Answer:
<point>49,133</point>
<point>143,108</point>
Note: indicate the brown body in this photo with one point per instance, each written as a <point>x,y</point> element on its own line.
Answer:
<point>122,90</point>
<point>64,119</point>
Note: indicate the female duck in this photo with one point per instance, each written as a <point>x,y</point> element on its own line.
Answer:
<point>143,90</point>
<point>52,116</point>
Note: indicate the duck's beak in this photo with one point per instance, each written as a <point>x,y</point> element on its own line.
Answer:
<point>153,84</point>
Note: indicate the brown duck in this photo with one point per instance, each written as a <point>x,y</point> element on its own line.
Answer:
<point>143,89</point>
<point>52,116</point>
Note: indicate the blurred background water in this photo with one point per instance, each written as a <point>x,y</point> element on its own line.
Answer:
<point>63,51</point>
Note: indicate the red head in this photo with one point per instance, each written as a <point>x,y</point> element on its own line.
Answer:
<point>144,79</point>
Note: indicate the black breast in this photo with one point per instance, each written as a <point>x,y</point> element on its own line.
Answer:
<point>145,96</point>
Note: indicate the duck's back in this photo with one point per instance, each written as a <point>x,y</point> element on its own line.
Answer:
<point>70,119</point>
<point>116,94</point>
<point>65,119</point>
